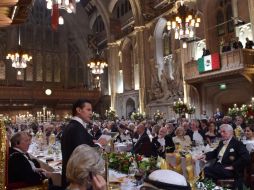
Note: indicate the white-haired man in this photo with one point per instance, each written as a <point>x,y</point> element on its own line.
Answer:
<point>231,157</point>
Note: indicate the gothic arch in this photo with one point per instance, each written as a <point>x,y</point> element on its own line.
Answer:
<point>103,11</point>
<point>136,10</point>
<point>130,106</point>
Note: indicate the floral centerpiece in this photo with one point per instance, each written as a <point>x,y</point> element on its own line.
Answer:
<point>158,115</point>
<point>235,111</point>
<point>95,116</point>
<point>246,111</point>
<point>180,107</point>
<point>137,116</point>
<point>122,161</point>
<point>191,109</point>
<point>207,184</point>
<point>7,120</point>
<point>111,114</point>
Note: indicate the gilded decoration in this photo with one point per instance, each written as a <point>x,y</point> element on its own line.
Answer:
<point>3,140</point>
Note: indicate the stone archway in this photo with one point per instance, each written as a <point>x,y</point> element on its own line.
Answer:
<point>130,107</point>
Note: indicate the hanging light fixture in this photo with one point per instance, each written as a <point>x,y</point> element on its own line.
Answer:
<point>19,58</point>
<point>184,23</point>
<point>97,64</point>
<point>55,5</point>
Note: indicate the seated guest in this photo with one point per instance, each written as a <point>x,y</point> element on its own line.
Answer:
<point>211,134</point>
<point>231,157</point>
<point>143,146</point>
<point>170,129</point>
<point>196,134</point>
<point>183,140</point>
<point>84,169</point>
<point>249,44</point>
<point>96,131</point>
<point>21,168</point>
<point>186,126</point>
<point>249,135</point>
<point>163,143</point>
<point>239,122</point>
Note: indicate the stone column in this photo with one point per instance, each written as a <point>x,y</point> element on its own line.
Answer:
<point>113,49</point>
<point>235,10</point>
<point>251,13</point>
<point>140,54</point>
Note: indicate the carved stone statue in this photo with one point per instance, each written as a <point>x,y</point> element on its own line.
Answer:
<point>166,88</point>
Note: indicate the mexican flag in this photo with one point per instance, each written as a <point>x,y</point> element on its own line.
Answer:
<point>209,63</point>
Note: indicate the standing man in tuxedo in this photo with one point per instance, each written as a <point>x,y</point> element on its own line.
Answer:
<point>21,167</point>
<point>75,133</point>
<point>231,157</point>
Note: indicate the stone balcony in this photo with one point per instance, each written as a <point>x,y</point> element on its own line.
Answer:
<point>234,62</point>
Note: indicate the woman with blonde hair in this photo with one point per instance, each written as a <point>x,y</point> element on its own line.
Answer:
<point>84,169</point>
<point>183,140</point>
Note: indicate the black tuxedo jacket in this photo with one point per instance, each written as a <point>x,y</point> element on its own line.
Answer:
<point>73,135</point>
<point>235,155</point>
<point>144,146</point>
<point>169,145</point>
<point>20,170</point>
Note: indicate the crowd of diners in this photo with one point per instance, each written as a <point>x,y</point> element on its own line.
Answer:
<point>150,139</point>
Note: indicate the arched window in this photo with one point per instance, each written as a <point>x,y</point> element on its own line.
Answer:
<point>2,70</point>
<point>29,71</point>
<point>39,71</point>
<point>220,21</point>
<point>48,69</point>
<point>229,14</point>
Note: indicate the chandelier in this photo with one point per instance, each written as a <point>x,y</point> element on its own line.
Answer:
<point>184,23</point>
<point>19,59</point>
<point>55,5</point>
<point>97,64</point>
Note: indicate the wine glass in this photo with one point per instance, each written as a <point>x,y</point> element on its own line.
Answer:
<point>139,176</point>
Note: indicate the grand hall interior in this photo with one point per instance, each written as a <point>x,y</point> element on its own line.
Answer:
<point>126,94</point>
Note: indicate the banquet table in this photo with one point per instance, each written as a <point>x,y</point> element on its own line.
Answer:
<point>50,159</point>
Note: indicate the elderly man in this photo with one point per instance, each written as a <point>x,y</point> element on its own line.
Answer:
<point>231,157</point>
<point>21,168</point>
<point>163,142</point>
<point>196,135</point>
<point>143,145</point>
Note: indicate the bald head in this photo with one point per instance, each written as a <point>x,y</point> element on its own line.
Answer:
<point>163,132</point>
<point>140,129</point>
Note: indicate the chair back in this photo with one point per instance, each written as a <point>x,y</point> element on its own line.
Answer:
<point>4,147</point>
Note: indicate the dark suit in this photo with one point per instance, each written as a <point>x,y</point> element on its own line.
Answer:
<point>96,135</point>
<point>144,146</point>
<point>74,135</point>
<point>169,145</point>
<point>235,155</point>
<point>20,170</point>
